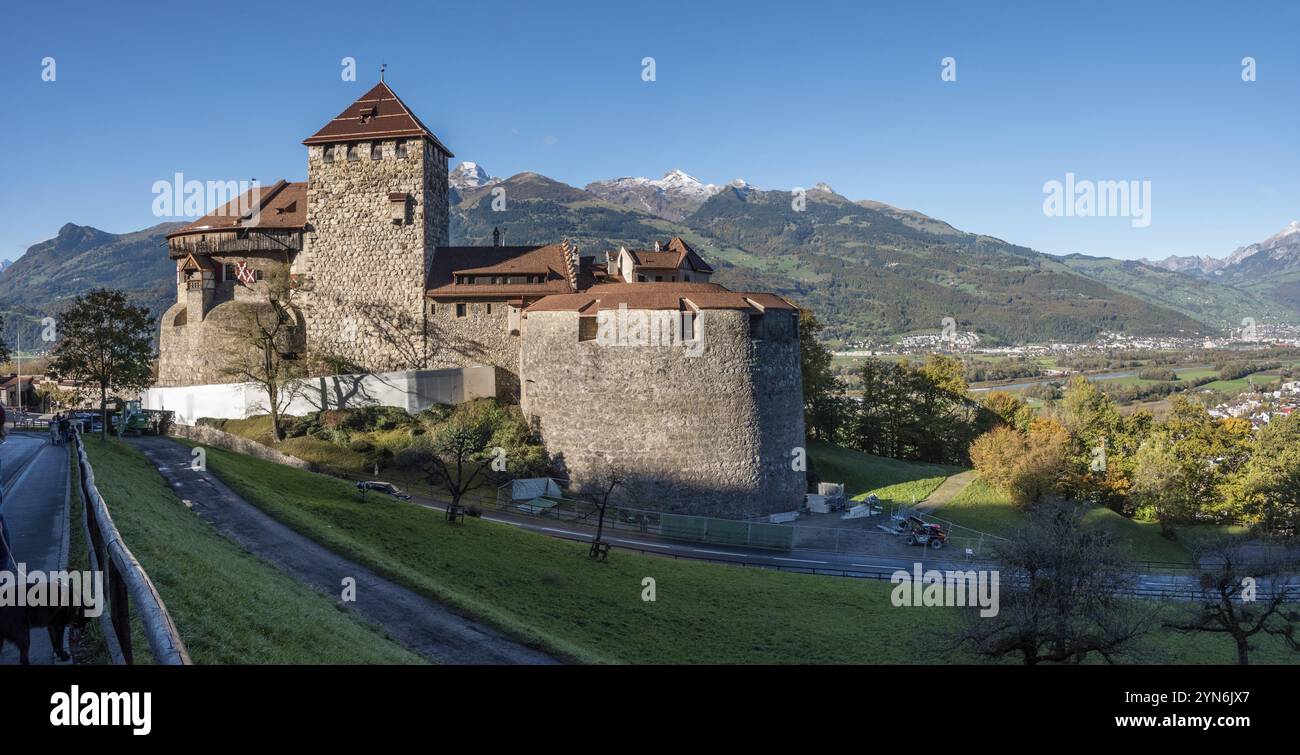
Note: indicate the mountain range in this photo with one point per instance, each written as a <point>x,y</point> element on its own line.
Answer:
<point>868,269</point>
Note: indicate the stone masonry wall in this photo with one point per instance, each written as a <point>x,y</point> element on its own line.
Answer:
<point>194,350</point>
<point>479,338</point>
<point>365,273</point>
<point>709,434</point>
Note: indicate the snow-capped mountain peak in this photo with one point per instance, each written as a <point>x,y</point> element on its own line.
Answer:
<point>675,196</point>
<point>469,175</point>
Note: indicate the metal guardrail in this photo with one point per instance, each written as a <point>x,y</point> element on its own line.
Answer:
<point>125,580</point>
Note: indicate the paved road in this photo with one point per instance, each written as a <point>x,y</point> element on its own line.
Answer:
<point>35,485</point>
<point>426,627</point>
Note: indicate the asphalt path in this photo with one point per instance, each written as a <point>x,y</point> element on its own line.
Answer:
<point>34,481</point>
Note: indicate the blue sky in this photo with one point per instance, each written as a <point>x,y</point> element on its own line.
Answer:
<point>782,94</point>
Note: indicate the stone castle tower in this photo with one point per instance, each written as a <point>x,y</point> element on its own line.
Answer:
<point>377,208</point>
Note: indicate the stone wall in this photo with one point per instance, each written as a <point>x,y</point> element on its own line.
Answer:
<point>708,434</point>
<point>479,338</point>
<point>211,436</point>
<point>366,273</point>
<point>197,338</point>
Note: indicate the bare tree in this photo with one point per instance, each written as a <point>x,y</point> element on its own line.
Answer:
<point>1062,594</point>
<point>1245,593</point>
<point>272,343</point>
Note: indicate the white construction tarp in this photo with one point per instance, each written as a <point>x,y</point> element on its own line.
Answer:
<point>534,487</point>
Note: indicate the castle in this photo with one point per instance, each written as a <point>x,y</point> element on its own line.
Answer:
<point>633,361</point>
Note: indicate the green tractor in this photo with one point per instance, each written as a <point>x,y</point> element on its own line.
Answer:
<point>132,420</point>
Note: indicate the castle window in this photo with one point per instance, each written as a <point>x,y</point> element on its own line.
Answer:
<point>228,272</point>
<point>377,151</point>
<point>756,325</point>
<point>659,279</point>
<point>640,279</point>
<point>258,275</point>
<point>460,310</point>
<point>688,325</point>
<point>488,307</point>
<point>401,149</point>
<point>327,153</point>
<point>587,328</point>
<point>352,153</point>
<point>433,308</point>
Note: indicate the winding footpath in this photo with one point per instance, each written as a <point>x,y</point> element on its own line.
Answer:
<point>946,491</point>
<point>422,625</point>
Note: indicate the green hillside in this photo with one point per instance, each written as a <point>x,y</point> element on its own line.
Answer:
<point>1208,301</point>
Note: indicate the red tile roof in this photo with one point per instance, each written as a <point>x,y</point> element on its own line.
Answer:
<point>670,257</point>
<point>377,114</point>
<point>548,260</point>
<point>657,296</point>
<point>282,206</point>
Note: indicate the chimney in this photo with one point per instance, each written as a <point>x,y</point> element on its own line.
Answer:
<point>496,237</point>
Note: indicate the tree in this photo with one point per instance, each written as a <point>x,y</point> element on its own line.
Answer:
<point>458,459</point>
<point>269,345</point>
<point>107,342</point>
<point>824,404</point>
<point>1061,594</point>
<point>4,347</point>
<point>1267,492</point>
<point>916,413</point>
<point>1010,408</point>
<point>480,442</point>
<point>1026,466</point>
<point>1185,471</point>
<point>1244,595</point>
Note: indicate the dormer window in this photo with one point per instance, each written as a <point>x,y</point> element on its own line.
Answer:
<point>327,153</point>
<point>377,151</point>
<point>368,114</point>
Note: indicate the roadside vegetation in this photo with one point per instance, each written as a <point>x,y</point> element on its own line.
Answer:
<point>230,607</point>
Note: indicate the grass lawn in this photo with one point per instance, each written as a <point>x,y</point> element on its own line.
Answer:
<point>546,591</point>
<point>1264,378</point>
<point>981,506</point>
<point>230,607</point>
<point>890,479</point>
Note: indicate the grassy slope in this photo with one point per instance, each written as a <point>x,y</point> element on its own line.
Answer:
<point>547,591</point>
<point>978,506</point>
<point>890,479</point>
<point>981,506</point>
<point>231,607</point>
